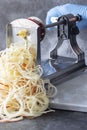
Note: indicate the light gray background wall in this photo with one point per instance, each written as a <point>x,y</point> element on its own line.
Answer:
<point>13,9</point>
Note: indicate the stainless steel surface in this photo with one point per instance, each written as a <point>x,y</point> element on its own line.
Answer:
<point>9,34</point>
<point>34,36</point>
<point>72,94</point>
<point>38,59</point>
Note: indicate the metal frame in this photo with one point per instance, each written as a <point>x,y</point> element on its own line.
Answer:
<point>66,29</point>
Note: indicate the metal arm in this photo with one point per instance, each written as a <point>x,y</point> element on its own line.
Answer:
<point>67,29</point>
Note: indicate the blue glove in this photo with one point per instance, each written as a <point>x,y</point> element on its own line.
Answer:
<point>67,9</point>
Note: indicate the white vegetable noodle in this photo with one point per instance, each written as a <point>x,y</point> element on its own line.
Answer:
<point>22,90</point>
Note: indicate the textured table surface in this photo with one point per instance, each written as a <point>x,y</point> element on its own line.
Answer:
<point>58,120</point>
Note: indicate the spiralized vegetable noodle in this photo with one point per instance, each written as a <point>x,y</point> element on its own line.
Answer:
<point>22,91</point>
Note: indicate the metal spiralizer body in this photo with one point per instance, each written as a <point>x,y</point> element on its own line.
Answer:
<point>66,67</point>
<point>56,68</point>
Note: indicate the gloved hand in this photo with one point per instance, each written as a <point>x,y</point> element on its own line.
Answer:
<point>67,9</point>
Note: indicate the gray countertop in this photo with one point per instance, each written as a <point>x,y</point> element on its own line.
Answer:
<point>58,120</point>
